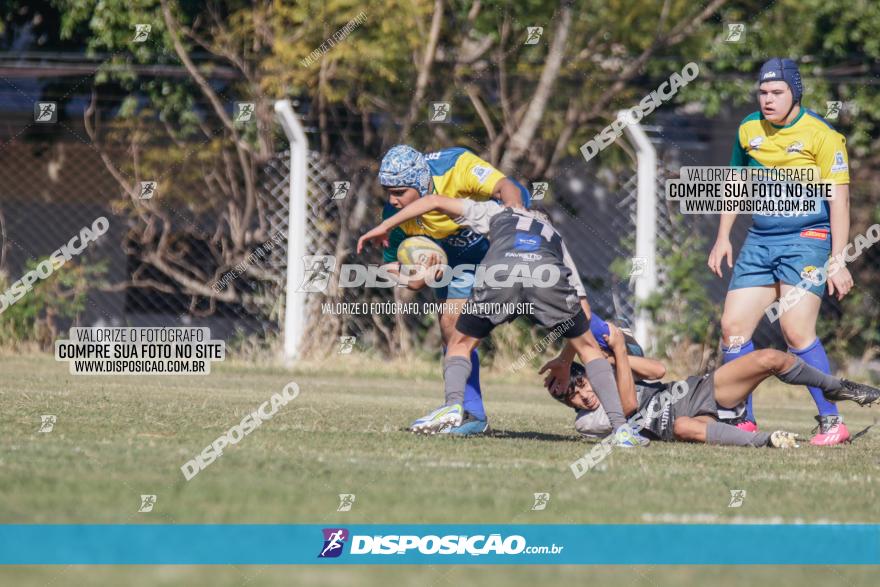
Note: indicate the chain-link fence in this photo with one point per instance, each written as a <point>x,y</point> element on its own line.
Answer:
<point>56,186</point>
<point>166,259</point>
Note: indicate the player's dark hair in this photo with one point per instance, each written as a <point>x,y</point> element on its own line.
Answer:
<point>578,374</point>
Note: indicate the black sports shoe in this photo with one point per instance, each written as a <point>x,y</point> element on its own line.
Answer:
<point>856,392</point>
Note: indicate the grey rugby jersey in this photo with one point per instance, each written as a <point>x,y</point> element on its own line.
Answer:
<point>514,232</point>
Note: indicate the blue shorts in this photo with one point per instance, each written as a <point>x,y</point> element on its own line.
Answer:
<point>759,265</point>
<point>463,248</point>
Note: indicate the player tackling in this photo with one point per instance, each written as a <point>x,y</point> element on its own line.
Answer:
<point>522,243</point>
<point>407,175</point>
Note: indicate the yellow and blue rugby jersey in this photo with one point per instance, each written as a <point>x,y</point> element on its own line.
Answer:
<point>807,141</point>
<point>456,173</point>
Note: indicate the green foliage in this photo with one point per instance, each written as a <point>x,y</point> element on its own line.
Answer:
<point>855,332</point>
<point>682,312</point>
<point>62,295</point>
<point>372,75</point>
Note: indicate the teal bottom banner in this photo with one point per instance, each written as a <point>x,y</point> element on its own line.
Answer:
<point>294,544</point>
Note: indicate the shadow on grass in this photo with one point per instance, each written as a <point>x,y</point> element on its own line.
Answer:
<point>528,435</point>
<point>508,434</point>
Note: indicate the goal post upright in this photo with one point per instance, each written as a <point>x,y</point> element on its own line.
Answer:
<point>295,301</point>
<point>646,228</point>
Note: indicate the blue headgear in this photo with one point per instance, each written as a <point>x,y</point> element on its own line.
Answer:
<point>403,166</point>
<point>785,70</point>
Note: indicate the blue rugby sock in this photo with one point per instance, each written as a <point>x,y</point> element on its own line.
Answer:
<point>814,355</point>
<point>473,395</point>
<point>730,355</point>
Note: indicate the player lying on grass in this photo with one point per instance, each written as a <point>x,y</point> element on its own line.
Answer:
<point>521,241</point>
<point>698,415</point>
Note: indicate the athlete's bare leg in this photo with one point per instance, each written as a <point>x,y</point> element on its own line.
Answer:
<point>798,321</point>
<point>734,381</point>
<point>743,310</point>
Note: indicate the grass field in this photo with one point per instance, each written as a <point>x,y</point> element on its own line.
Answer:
<point>119,437</point>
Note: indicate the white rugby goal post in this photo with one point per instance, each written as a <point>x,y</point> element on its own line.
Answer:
<point>295,301</point>
<point>646,227</point>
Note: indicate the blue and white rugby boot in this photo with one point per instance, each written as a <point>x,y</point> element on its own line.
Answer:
<point>626,437</point>
<point>439,420</point>
<point>470,426</point>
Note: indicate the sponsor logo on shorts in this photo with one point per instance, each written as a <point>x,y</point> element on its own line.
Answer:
<point>810,273</point>
<point>526,241</point>
<point>462,239</point>
<point>525,256</point>
<point>816,234</point>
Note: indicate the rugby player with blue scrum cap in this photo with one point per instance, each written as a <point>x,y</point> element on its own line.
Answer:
<point>407,175</point>
<point>780,252</point>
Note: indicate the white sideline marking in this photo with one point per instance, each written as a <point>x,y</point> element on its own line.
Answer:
<point>672,518</point>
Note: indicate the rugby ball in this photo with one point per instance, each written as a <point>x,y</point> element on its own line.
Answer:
<point>416,249</point>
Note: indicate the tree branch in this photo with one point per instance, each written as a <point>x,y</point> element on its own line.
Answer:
<point>424,69</point>
<point>525,133</point>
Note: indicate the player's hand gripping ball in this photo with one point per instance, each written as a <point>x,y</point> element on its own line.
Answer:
<point>417,250</point>
<point>418,255</point>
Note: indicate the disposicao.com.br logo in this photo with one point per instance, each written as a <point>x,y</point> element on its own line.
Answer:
<point>334,540</point>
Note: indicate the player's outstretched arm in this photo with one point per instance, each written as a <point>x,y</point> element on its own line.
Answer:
<point>643,367</point>
<point>647,369</point>
<point>449,206</point>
